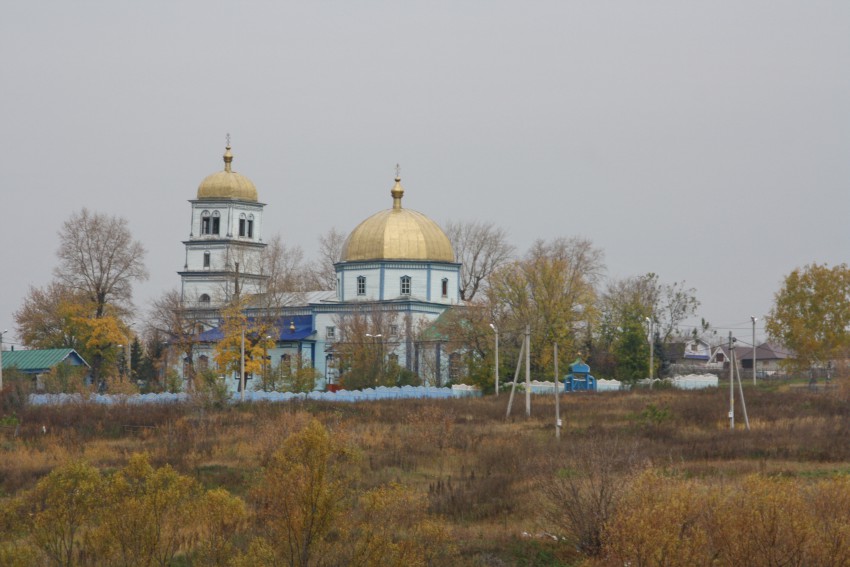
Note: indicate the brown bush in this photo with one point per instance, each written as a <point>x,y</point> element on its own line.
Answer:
<point>582,486</point>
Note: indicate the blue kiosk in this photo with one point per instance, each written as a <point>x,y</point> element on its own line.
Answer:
<point>579,378</point>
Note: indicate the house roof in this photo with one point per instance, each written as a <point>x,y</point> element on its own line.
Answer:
<point>303,329</point>
<point>39,360</point>
<point>765,351</point>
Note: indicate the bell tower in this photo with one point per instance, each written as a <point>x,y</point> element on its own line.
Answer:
<point>225,246</point>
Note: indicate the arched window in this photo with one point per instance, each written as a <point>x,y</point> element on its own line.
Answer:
<point>405,285</point>
<point>250,226</point>
<point>207,259</point>
<point>206,224</point>
<point>243,225</point>
<point>445,287</point>
<point>455,367</point>
<point>361,285</point>
<point>216,222</point>
<point>204,299</point>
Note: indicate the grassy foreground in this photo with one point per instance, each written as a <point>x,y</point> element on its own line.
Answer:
<point>644,477</point>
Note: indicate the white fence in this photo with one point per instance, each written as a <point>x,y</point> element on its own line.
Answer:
<point>380,393</point>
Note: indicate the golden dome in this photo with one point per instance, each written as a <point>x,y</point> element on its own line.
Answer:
<point>397,234</point>
<point>227,184</point>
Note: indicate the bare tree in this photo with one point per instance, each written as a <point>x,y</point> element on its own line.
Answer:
<point>676,303</point>
<point>170,319</point>
<point>330,248</point>
<point>367,338</point>
<point>668,305</point>
<point>98,257</point>
<point>285,271</point>
<point>481,248</point>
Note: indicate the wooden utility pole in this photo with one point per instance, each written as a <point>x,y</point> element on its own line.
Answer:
<point>557,397</point>
<point>754,348</point>
<point>741,392</point>
<point>731,383</point>
<point>496,330</point>
<point>527,371</point>
<point>516,376</point>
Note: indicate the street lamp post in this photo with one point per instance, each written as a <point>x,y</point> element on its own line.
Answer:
<point>266,361</point>
<point>495,330</point>
<point>381,360</point>
<point>1,357</point>
<point>754,348</point>
<point>165,345</point>
<point>242,364</point>
<point>651,350</point>
<point>129,355</point>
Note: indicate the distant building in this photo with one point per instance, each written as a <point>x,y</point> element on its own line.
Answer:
<point>693,351</point>
<point>37,363</point>
<point>769,357</point>
<point>398,262</point>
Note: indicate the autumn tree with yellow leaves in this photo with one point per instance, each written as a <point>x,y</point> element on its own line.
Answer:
<point>257,333</point>
<point>811,314</point>
<point>88,304</point>
<point>553,290</point>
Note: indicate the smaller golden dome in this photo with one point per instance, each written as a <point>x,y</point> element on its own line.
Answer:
<point>227,184</point>
<point>397,234</point>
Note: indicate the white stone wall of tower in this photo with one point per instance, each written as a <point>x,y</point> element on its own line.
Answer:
<point>224,248</point>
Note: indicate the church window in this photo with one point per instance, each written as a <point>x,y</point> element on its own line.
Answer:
<point>204,299</point>
<point>330,332</point>
<point>361,285</point>
<point>216,222</point>
<point>206,223</point>
<point>445,287</point>
<point>455,367</point>
<point>250,226</point>
<point>203,362</point>
<point>405,285</point>
<point>393,330</point>
<point>206,259</point>
<point>242,224</point>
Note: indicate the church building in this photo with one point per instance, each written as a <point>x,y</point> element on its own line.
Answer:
<point>397,269</point>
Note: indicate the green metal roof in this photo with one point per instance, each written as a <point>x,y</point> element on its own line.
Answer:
<point>35,360</point>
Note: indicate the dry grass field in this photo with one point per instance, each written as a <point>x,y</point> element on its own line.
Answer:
<point>644,477</point>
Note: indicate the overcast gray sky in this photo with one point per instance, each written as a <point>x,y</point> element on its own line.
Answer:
<point>703,141</point>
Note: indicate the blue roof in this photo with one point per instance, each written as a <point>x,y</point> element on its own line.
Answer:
<point>303,329</point>
<point>578,367</point>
